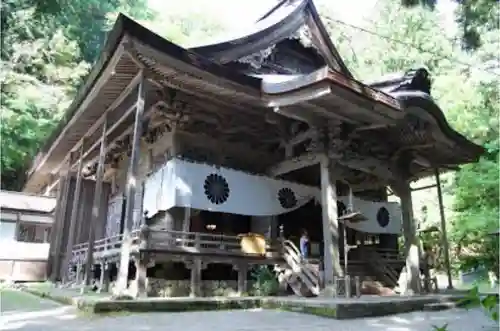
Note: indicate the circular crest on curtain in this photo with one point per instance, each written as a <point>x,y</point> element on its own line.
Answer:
<point>383,217</point>
<point>216,189</point>
<point>287,198</point>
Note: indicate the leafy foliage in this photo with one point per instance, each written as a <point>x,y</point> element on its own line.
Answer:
<point>264,281</point>
<point>40,68</point>
<point>473,16</point>
<point>46,50</point>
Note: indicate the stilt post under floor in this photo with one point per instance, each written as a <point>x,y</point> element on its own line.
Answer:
<point>242,269</point>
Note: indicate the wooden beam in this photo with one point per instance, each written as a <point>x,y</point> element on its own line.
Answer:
<point>299,162</point>
<point>111,143</point>
<point>201,139</point>
<point>303,136</point>
<point>301,115</point>
<point>109,71</point>
<point>368,165</point>
<point>117,102</point>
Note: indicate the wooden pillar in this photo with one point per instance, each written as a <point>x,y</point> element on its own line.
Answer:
<point>59,225</point>
<point>196,268</point>
<point>80,225</point>
<point>411,285</point>
<point>141,264</point>
<point>78,273</point>
<point>74,214</point>
<point>273,228</point>
<point>96,205</point>
<point>102,276</point>
<point>331,259</point>
<point>186,223</point>
<point>106,278</point>
<point>242,269</point>
<point>17,231</point>
<point>141,276</point>
<point>131,188</point>
<point>444,236</point>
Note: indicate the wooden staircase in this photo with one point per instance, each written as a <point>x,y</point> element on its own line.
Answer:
<point>300,275</point>
<point>303,277</point>
<point>382,270</point>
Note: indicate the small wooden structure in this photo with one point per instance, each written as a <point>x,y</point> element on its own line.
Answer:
<point>25,225</point>
<point>252,130</point>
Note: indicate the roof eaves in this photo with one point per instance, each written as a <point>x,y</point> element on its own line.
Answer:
<point>112,42</point>
<point>124,26</point>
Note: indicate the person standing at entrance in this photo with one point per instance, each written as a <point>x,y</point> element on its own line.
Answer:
<point>304,244</point>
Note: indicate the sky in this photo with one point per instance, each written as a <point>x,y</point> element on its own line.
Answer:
<point>240,13</point>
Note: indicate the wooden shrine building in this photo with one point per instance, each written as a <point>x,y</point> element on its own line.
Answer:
<point>173,155</point>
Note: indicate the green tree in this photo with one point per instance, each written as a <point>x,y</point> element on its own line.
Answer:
<point>46,48</point>
<point>39,71</point>
<point>473,17</point>
<point>88,21</point>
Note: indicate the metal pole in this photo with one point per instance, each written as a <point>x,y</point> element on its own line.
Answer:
<point>73,217</point>
<point>444,236</point>
<point>96,205</point>
<point>346,248</point>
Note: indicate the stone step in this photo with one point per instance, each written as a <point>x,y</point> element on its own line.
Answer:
<point>440,306</point>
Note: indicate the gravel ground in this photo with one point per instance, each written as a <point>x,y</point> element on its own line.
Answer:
<point>65,318</point>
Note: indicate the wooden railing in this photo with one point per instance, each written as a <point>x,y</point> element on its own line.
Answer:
<point>169,240</point>
<point>102,245</point>
<point>194,242</point>
<point>389,254</point>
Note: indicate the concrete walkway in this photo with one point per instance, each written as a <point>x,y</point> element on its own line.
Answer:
<point>65,318</point>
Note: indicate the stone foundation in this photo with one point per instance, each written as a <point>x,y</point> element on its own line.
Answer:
<point>181,288</point>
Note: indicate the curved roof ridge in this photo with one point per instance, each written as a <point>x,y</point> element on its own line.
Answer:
<point>272,10</point>
<point>285,19</point>
<point>276,25</point>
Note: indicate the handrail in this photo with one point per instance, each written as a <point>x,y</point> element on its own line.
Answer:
<point>379,263</point>
<point>292,246</point>
<point>293,258</point>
